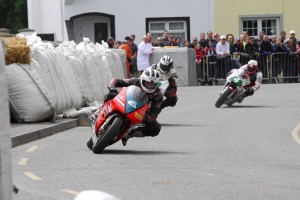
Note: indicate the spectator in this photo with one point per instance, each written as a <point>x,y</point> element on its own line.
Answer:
<point>212,62</point>
<point>278,58</point>
<point>194,42</point>
<point>265,46</point>
<point>209,36</point>
<point>230,39</point>
<point>127,48</point>
<point>134,49</point>
<point>223,50</point>
<point>111,42</point>
<point>298,47</point>
<point>178,42</point>
<point>294,40</point>
<point>199,63</point>
<point>291,68</point>
<point>273,40</point>
<point>187,44</point>
<point>144,51</point>
<point>171,41</point>
<point>159,42</point>
<point>282,36</point>
<point>216,39</point>
<point>165,38</point>
<point>265,50</point>
<point>251,49</point>
<point>149,35</point>
<point>203,42</point>
<point>243,41</point>
<point>235,50</point>
<point>261,36</point>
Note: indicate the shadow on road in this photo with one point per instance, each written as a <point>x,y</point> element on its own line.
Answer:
<point>249,106</point>
<point>179,125</point>
<point>111,151</point>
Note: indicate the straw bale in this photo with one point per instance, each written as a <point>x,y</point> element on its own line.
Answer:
<point>17,50</point>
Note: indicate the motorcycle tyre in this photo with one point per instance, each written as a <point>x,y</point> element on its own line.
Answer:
<point>109,134</point>
<point>223,97</point>
<point>89,143</point>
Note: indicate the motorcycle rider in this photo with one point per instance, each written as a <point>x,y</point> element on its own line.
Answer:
<point>148,81</point>
<point>166,71</point>
<point>250,70</point>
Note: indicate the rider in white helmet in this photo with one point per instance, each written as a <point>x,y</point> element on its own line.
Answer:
<point>252,71</point>
<point>148,81</point>
<point>166,71</point>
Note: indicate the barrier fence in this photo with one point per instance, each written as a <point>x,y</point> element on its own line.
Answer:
<point>276,66</point>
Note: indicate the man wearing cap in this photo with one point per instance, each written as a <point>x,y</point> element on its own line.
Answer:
<point>223,51</point>
<point>194,42</point>
<point>127,48</point>
<point>293,38</point>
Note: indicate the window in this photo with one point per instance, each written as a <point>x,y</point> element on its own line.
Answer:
<point>254,25</point>
<point>177,27</point>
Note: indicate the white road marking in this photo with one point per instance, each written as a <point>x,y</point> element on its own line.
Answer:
<point>32,176</point>
<point>32,149</point>
<point>23,161</point>
<point>295,134</point>
<point>71,192</point>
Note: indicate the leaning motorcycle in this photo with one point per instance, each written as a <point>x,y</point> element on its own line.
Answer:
<point>118,117</point>
<point>233,89</point>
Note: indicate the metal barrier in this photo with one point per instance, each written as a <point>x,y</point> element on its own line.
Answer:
<point>284,67</point>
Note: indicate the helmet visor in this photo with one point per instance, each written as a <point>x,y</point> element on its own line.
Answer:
<point>150,85</point>
<point>252,69</point>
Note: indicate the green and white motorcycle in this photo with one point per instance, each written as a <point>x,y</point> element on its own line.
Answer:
<point>233,89</point>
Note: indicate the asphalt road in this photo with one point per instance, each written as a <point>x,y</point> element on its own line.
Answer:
<point>248,151</point>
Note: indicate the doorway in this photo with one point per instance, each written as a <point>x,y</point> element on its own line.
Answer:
<point>101,32</point>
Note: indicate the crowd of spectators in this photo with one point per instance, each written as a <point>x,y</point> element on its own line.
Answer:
<point>212,48</point>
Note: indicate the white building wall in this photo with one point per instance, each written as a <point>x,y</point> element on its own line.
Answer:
<point>47,16</point>
<point>130,15</point>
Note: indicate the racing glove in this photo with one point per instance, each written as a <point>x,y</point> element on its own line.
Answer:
<point>112,91</point>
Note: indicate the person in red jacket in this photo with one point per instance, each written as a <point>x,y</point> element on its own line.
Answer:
<point>199,62</point>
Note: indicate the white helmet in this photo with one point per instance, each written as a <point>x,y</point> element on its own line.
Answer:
<point>165,64</point>
<point>252,66</point>
<point>149,80</point>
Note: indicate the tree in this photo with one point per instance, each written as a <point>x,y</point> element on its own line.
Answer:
<point>13,14</point>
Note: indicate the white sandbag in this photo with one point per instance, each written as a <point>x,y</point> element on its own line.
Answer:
<point>121,68</point>
<point>5,141</point>
<point>82,79</point>
<point>29,103</point>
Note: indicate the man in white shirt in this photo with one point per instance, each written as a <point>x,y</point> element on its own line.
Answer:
<point>223,51</point>
<point>145,49</point>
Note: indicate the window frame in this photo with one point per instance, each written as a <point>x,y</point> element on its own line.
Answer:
<point>259,18</point>
<point>167,20</point>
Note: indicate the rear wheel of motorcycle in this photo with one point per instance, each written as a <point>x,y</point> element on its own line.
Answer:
<point>223,97</point>
<point>112,130</point>
<point>89,144</point>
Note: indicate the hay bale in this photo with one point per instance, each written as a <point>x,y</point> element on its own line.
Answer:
<point>17,51</point>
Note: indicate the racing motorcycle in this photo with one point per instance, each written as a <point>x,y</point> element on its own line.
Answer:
<point>118,116</point>
<point>233,90</point>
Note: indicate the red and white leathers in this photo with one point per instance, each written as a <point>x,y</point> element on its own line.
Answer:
<point>255,78</point>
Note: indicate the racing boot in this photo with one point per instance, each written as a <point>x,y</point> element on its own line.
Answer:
<point>240,99</point>
<point>134,133</point>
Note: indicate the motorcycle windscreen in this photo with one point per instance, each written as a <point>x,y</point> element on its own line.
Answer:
<point>136,98</point>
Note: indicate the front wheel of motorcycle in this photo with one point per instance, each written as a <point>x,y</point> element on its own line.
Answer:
<point>90,143</point>
<point>223,97</point>
<point>104,140</point>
